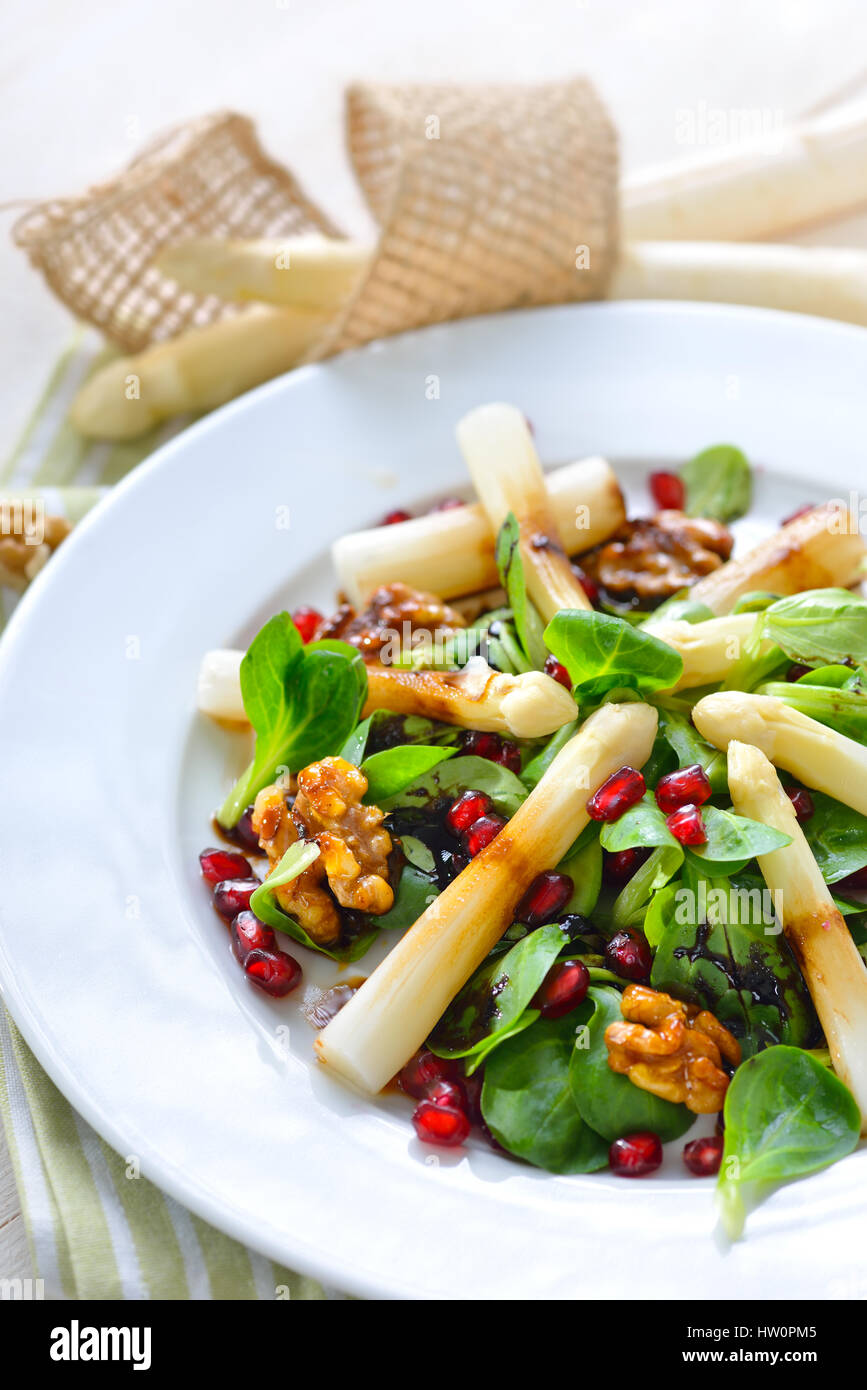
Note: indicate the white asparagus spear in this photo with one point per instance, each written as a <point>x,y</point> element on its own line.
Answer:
<point>709,650</point>
<point>815,929</point>
<point>306,272</point>
<point>807,173</point>
<point>828,281</point>
<point>498,449</point>
<point>452,552</point>
<point>218,691</point>
<point>529,705</point>
<point>395,1009</point>
<point>198,370</point>
<point>821,549</point>
<point>815,754</point>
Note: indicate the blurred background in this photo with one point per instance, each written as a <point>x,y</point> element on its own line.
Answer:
<point>86,85</point>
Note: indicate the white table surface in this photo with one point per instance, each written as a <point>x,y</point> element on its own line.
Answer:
<point>84,85</point>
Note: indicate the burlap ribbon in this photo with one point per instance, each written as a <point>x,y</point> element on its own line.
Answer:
<point>486,197</point>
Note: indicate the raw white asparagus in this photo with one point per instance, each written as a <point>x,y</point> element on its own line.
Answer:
<point>815,754</point>
<point>709,650</point>
<point>200,369</point>
<point>816,930</point>
<point>306,272</point>
<point>806,173</point>
<point>529,705</point>
<point>821,549</point>
<point>498,449</point>
<point>828,281</point>
<point>395,1009</point>
<point>451,553</point>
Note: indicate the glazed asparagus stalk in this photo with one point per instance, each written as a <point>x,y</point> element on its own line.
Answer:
<point>395,1009</point>
<point>709,650</point>
<point>499,451</point>
<point>196,371</point>
<point>821,549</point>
<point>452,552</point>
<point>815,929</point>
<point>810,751</point>
<point>530,705</point>
<point>305,272</point>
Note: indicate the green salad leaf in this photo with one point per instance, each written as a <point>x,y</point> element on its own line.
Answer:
<point>821,625</point>
<point>602,653</point>
<point>510,565</point>
<point>302,702</point>
<point>786,1115</point>
<point>527,1101</point>
<point>837,835</point>
<point>718,482</point>
<point>843,710</point>
<point>395,769</point>
<point>496,999</point>
<point>608,1101</point>
<point>723,950</point>
<point>731,839</point>
<point>539,764</point>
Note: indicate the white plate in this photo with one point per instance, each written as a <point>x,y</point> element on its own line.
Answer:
<point>114,965</point>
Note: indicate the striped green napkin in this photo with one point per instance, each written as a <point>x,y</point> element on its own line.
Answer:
<point>96,1230</point>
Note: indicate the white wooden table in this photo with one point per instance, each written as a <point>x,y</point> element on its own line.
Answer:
<point>83,86</point>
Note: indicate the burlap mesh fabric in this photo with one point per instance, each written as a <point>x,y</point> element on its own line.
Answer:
<point>487,198</point>
<point>210,177</point>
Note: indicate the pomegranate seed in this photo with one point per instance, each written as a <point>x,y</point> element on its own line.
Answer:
<point>547,894</point>
<point>557,671</point>
<point>481,833</point>
<point>590,587</point>
<point>249,934</point>
<point>689,785</point>
<point>704,1156</point>
<point>801,511</point>
<point>274,971</point>
<point>629,955</point>
<point>424,1071</point>
<point>622,790</point>
<point>394,518</point>
<point>667,491</point>
<point>473,1092</point>
<point>562,989</point>
<point>233,896</point>
<point>687,825</point>
<point>479,745</point>
<point>797,670</point>
<point>220,864</point>
<point>802,802</point>
<point>307,621</point>
<point>509,756</point>
<point>440,1124</point>
<point>618,866</point>
<point>245,832</point>
<point>469,807</point>
<point>448,504</point>
<point>448,1093</point>
<point>635,1155</point>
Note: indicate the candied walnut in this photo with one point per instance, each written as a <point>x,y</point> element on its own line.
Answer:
<point>21,554</point>
<point>395,614</point>
<point>353,862</point>
<point>672,1049</point>
<point>649,559</point>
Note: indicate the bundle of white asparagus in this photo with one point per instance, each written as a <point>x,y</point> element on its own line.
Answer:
<point>679,224</point>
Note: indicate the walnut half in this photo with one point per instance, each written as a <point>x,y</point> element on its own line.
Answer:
<point>354,848</point>
<point>672,1049</point>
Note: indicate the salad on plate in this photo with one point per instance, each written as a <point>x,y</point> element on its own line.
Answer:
<point>604,785</point>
